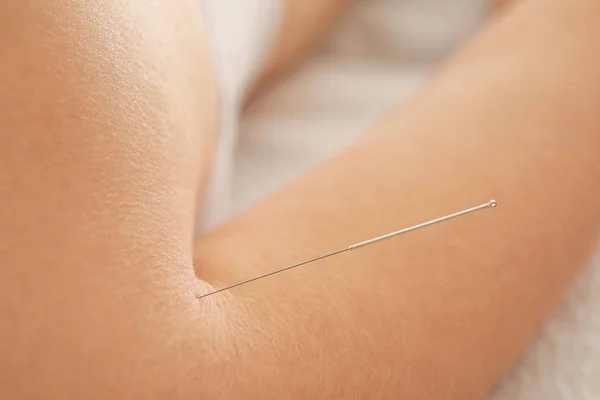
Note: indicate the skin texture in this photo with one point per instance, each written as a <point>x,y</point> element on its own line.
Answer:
<point>103,145</point>
<point>107,113</point>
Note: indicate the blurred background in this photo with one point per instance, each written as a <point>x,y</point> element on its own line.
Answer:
<point>375,57</point>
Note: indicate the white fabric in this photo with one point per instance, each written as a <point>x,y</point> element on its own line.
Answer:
<point>379,55</point>
<point>242,34</point>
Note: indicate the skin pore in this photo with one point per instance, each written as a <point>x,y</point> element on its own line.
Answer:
<point>107,111</point>
<point>106,136</point>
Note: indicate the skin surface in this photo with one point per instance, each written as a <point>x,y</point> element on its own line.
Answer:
<point>107,116</point>
<point>103,144</point>
<point>441,313</point>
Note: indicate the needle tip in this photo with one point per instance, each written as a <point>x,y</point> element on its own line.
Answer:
<point>493,203</point>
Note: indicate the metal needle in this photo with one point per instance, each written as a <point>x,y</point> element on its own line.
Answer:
<point>490,204</point>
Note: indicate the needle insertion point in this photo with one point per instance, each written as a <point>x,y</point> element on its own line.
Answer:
<point>490,204</point>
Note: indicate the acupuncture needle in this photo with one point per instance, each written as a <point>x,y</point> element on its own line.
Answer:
<point>490,204</point>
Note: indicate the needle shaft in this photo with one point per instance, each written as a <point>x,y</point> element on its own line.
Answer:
<point>490,204</point>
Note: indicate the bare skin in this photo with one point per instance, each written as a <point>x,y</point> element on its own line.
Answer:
<point>107,116</point>
<point>97,285</point>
